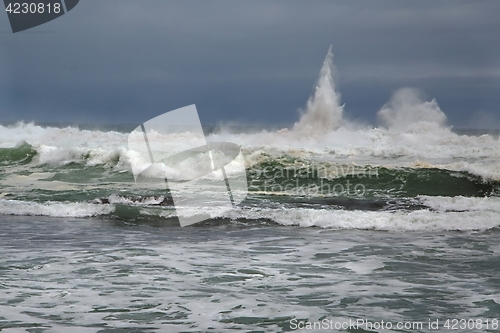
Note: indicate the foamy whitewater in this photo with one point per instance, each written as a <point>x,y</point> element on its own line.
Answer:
<point>394,222</point>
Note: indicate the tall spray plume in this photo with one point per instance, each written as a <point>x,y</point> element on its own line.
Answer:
<point>323,111</point>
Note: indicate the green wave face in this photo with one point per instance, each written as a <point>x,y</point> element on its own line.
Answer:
<point>280,177</point>
<point>20,155</point>
<point>289,176</point>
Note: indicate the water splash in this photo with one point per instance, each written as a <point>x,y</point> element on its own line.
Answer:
<point>407,109</point>
<point>323,112</point>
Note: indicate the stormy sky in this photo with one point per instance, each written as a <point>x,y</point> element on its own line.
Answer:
<point>250,62</point>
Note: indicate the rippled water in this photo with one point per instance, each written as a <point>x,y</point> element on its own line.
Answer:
<point>105,275</point>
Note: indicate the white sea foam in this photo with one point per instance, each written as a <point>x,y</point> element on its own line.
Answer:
<point>458,213</point>
<point>364,266</point>
<point>400,221</point>
<point>430,146</point>
<point>54,209</point>
<point>62,146</point>
<point>427,145</point>
<point>116,199</point>
<point>66,137</point>
<point>471,216</point>
<point>443,204</point>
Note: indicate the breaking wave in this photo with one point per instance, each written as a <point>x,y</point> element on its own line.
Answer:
<point>412,173</point>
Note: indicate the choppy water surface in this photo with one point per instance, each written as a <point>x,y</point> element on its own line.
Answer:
<point>99,275</point>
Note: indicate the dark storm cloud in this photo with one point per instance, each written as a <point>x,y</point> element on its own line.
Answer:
<point>250,61</point>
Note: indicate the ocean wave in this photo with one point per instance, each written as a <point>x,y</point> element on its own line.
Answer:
<point>287,175</point>
<point>400,221</point>
<point>430,146</point>
<point>22,153</point>
<point>53,209</point>
<point>461,203</point>
<point>460,214</point>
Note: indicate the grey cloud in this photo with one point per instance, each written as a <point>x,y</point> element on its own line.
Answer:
<point>247,60</point>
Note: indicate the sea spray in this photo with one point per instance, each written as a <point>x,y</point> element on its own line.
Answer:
<point>323,111</point>
<point>407,109</point>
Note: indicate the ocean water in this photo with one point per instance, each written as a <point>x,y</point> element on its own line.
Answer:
<point>85,249</point>
<point>345,227</point>
<point>108,275</point>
